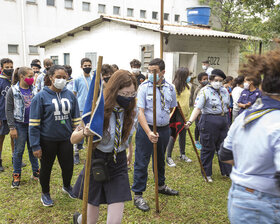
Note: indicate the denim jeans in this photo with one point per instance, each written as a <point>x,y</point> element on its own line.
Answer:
<point>251,208</point>
<point>22,131</point>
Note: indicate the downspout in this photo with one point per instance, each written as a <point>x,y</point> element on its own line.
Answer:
<point>260,48</point>
<point>23,40</point>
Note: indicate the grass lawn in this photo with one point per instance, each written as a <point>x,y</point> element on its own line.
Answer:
<point>198,201</point>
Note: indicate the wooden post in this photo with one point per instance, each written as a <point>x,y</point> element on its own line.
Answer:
<point>90,144</point>
<point>193,144</point>
<point>155,144</point>
<point>161,27</point>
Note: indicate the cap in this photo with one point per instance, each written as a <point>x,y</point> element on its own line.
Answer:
<point>218,72</point>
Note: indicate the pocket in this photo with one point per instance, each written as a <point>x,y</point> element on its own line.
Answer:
<point>205,139</point>
<point>149,101</point>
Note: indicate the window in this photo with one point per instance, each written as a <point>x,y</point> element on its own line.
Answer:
<point>166,16</point>
<point>55,60</point>
<point>130,12</point>
<point>50,2</point>
<point>68,4</point>
<point>33,49</point>
<point>143,14</point>
<point>177,18</point>
<point>116,10</point>
<point>31,1</point>
<point>101,8</point>
<point>12,48</point>
<point>93,57</point>
<point>66,58</point>
<point>86,6</point>
<point>154,15</point>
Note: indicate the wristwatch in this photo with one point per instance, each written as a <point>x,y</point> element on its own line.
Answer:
<point>189,122</point>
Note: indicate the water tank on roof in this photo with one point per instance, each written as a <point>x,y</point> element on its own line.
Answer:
<point>198,15</point>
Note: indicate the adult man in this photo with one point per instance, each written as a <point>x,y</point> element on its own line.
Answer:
<point>135,69</point>
<point>40,82</point>
<point>206,67</point>
<point>165,101</point>
<point>81,87</point>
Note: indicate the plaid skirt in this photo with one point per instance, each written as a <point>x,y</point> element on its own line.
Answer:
<point>115,190</point>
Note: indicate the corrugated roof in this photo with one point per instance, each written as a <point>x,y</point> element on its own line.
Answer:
<point>171,29</point>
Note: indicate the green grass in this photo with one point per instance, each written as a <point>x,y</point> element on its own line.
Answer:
<point>198,201</point>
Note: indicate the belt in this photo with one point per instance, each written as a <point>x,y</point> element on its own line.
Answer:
<point>249,190</point>
<point>221,114</point>
<point>159,127</point>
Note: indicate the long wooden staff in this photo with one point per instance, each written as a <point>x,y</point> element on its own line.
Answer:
<point>194,147</point>
<point>90,143</point>
<point>155,144</point>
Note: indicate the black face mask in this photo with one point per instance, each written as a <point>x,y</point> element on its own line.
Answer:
<point>124,101</point>
<point>8,72</point>
<point>106,79</point>
<point>87,70</point>
<point>37,72</point>
<point>48,68</point>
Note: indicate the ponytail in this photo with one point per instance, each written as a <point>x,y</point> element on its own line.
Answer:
<point>15,78</point>
<point>19,71</point>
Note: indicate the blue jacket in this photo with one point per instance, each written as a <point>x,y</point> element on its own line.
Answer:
<point>52,116</point>
<point>5,85</point>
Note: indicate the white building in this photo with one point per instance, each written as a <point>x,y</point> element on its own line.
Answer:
<point>27,22</point>
<point>120,40</point>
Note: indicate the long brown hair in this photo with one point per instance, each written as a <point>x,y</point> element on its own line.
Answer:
<point>19,71</point>
<point>180,79</point>
<point>119,80</point>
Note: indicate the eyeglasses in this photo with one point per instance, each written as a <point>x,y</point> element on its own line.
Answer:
<point>127,94</point>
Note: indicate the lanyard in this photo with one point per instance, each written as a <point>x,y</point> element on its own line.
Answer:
<point>222,102</point>
<point>86,81</point>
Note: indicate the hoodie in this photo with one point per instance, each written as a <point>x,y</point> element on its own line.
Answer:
<point>52,116</point>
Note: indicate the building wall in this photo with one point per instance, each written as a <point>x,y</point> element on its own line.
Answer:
<point>27,24</point>
<point>116,42</point>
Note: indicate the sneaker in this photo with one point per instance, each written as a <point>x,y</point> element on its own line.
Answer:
<point>141,204</point>
<point>170,162</point>
<point>69,191</point>
<point>185,158</point>
<point>209,179</point>
<point>198,145</point>
<point>76,159</point>
<point>46,200</point>
<point>75,217</point>
<point>36,175</point>
<point>168,191</point>
<point>16,180</point>
<point>1,167</point>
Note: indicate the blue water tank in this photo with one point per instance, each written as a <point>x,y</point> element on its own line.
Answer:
<point>198,15</point>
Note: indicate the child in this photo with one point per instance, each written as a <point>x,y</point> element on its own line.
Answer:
<point>70,80</point>
<point>17,109</point>
<point>40,81</point>
<point>5,84</point>
<point>203,81</point>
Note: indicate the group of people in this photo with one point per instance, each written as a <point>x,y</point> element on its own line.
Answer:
<point>44,110</point>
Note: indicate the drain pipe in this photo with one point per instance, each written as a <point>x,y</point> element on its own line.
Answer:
<point>260,47</point>
<point>23,39</point>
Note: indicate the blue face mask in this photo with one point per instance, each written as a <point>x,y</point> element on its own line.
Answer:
<point>151,77</point>
<point>188,79</point>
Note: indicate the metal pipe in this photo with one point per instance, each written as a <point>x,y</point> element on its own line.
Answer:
<point>23,39</point>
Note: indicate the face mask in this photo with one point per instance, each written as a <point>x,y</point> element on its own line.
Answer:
<point>8,72</point>
<point>124,101</point>
<point>59,83</point>
<point>151,77</point>
<point>29,81</point>
<point>135,70</point>
<point>48,68</point>
<point>106,79</point>
<point>87,70</point>
<point>188,79</point>
<point>37,72</point>
<point>204,83</point>
<point>216,85</point>
<point>246,85</point>
<point>204,67</point>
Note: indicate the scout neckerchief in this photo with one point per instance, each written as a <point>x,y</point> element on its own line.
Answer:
<point>118,134</point>
<point>222,102</point>
<point>86,81</point>
<point>4,77</point>
<point>160,87</point>
<point>262,106</point>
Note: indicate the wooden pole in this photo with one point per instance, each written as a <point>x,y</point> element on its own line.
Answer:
<point>90,144</point>
<point>161,27</point>
<point>194,147</point>
<point>155,144</point>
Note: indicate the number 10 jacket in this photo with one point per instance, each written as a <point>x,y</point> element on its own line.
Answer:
<point>53,116</point>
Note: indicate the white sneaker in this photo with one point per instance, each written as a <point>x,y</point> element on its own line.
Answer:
<point>170,162</point>
<point>209,179</point>
<point>185,158</point>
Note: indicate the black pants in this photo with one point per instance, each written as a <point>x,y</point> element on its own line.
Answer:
<point>64,152</point>
<point>196,130</point>
<point>182,143</point>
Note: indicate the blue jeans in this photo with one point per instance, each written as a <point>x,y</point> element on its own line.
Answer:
<point>252,207</point>
<point>143,152</point>
<point>22,131</point>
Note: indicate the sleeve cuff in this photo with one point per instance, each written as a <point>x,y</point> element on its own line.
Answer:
<point>36,148</point>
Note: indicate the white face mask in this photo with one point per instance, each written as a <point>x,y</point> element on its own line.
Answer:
<point>59,83</point>
<point>135,70</point>
<point>246,85</point>
<point>216,84</point>
<point>204,67</point>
